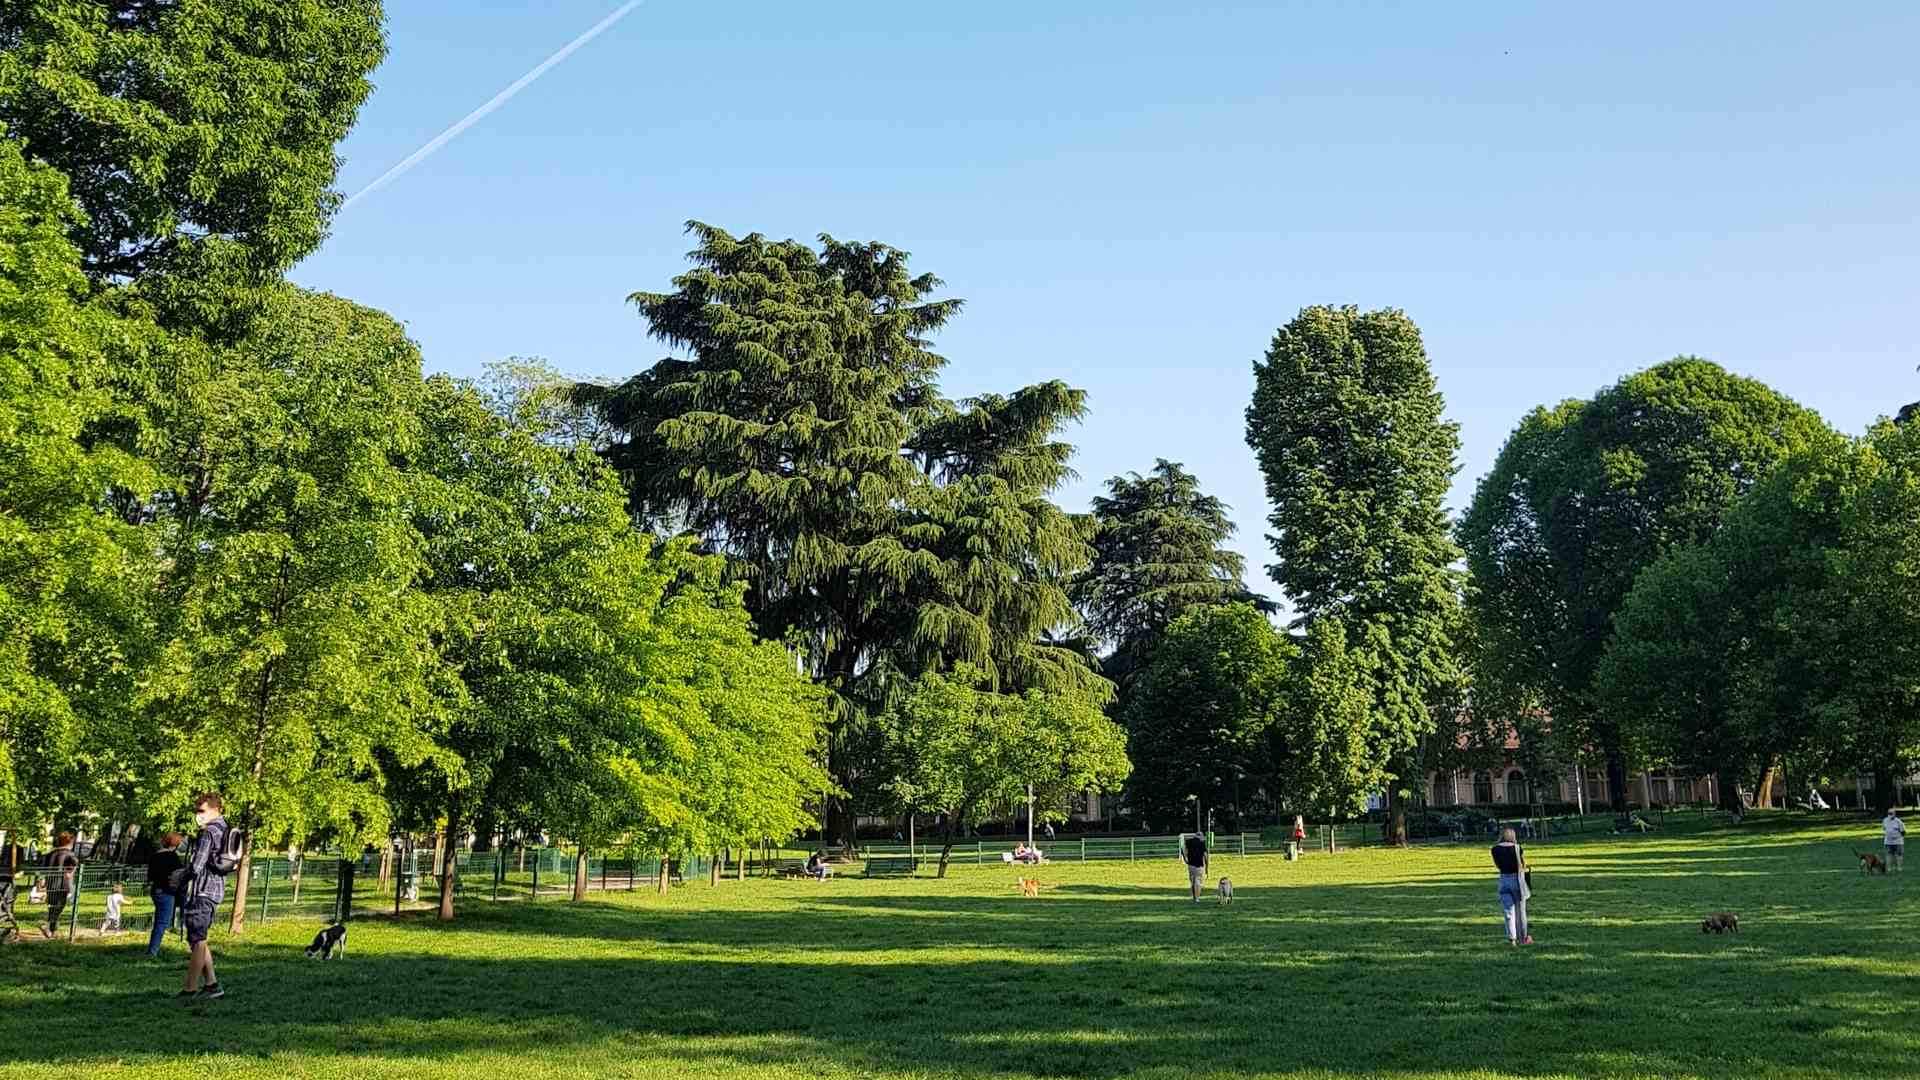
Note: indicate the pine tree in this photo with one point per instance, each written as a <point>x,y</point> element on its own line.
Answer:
<point>881,530</point>
<point>1157,555</point>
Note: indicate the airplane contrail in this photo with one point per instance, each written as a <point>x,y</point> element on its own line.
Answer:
<point>499,99</point>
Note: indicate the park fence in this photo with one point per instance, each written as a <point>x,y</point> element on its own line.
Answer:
<point>325,887</point>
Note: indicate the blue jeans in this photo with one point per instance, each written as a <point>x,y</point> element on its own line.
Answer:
<point>162,918</point>
<point>1513,903</point>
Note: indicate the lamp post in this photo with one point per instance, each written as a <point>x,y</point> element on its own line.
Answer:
<point>1029,815</point>
<point>1195,800</point>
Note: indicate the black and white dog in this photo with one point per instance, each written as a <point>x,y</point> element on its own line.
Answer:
<point>329,941</point>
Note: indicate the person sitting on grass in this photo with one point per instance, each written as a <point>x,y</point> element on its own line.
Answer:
<point>817,866</point>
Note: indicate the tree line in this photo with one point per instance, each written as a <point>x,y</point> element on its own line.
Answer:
<point>779,580</point>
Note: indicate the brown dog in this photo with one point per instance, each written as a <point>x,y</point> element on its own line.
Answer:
<point>1870,863</point>
<point>1029,886</point>
<point>1724,922</point>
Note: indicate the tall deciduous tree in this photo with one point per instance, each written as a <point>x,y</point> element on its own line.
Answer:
<point>1158,553</point>
<point>613,691</point>
<point>197,135</point>
<point>297,656</point>
<point>959,748</point>
<point>71,573</point>
<point>1586,495</point>
<point>1348,427</point>
<point>1200,715</point>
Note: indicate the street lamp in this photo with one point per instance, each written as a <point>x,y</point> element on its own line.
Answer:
<point>1195,800</point>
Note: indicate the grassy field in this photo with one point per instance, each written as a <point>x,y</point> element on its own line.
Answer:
<point>1368,963</point>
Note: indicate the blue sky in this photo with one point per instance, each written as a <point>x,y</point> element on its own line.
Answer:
<point>1132,197</point>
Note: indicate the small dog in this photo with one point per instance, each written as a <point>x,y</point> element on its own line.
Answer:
<point>1870,863</point>
<point>1029,886</point>
<point>1226,890</point>
<point>329,941</point>
<point>1725,922</point>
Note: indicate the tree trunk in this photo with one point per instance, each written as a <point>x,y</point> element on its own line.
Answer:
<point>713,871</point>
<point>1397,808</point>
<point>238,920</point>
<point>386,865</point>
<point>740,867</point>
<point>1885,788</point>
<point>1728,783</point>
<point>666,871</point>
<point>1763,797</point>
<point>1617,780</point>
<point>580,876</point>
<point>449,857</point>
<point>484,826</point>
<point>946,849</point>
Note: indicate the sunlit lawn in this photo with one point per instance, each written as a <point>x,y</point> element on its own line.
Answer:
<point>1368,963</point>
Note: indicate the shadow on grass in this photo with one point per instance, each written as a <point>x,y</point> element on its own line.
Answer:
<point>1090,980</point>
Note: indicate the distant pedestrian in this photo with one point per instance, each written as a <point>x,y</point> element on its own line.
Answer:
<point>12,858</point>
<point>1511,861</point>
<point>1049,832</point>
<point>166,880</point>
<point>62,863</point>
<point>1193,852</point>
<point>207,886</point>
<point>1894,831</point>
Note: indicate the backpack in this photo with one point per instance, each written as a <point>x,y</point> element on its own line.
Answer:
<point>233,847</point>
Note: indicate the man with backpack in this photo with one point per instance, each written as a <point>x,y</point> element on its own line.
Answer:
<point>206,886</point>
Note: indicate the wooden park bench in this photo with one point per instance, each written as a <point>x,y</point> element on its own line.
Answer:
<point>891,866</point>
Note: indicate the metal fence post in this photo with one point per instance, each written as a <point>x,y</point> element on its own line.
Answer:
<point>1083,849</point>
<point>1129,849</point>
<point>537,857</point>
<point>266,888</point>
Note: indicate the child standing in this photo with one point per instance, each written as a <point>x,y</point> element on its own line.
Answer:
<point>1894,832</point>
<point>111,924</point>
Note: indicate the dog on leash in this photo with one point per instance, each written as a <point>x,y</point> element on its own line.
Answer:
<point>1226,890</point>
<point>327,942</point>
<point>1029,886</point>
<point>1870,863</point>
<point>1724,922</point>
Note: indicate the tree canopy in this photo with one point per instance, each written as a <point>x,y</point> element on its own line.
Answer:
<point>959,748</point>
<point>882,529</point>
<point>1347,425</point>
<point>1586,495</point>
<point>1157,554</point>
<point>197,136</point>
<point>1201,716</point>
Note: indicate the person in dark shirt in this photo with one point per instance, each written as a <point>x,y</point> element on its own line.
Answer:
<point>62,863</point>
<point>1511,862</point>
<point>207,888</point>
<point>166,877</point>
<point>1193,852</point>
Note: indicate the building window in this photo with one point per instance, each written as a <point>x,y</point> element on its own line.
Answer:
<point>1482,788</point>
<point>1657,793</point>
<point>1517,787</point>
<point>1683,791</point>
<point>1443,790</point>
<point>1596,788</point>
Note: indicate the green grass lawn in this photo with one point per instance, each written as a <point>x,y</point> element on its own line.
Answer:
<point>1367,963</point>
